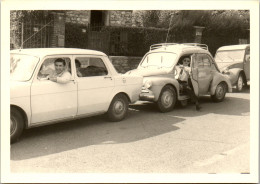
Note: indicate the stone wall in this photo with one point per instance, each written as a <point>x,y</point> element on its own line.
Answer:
<point>115,17</point>
<point>123,64</point>
<point>121,18</point>
<point>78,16</point>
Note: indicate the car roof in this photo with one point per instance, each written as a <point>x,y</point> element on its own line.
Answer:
<point>179,48</point>
<point>234,47</point>
<point>41,52</point>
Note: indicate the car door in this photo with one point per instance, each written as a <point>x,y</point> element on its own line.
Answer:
<point>95,84</point>
<point>247,63</point>
<point>201,73</point>
<point>51,101</point>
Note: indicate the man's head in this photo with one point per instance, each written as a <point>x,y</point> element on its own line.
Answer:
<point>186,61</point>
<point>59,65</point>
<point>78,64</point>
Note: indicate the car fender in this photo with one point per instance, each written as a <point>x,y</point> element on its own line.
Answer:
<point>233,74</point>
<point>131,86</point>
<point>20,98</point>
<point>23,105</point>
<point>159,82</point>
<point>218,78</point>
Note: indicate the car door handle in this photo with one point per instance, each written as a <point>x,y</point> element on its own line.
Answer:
<point>107,77</point>
<point>73,80</point>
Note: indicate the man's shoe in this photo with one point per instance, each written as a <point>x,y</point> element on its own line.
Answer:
<point>198,107</point>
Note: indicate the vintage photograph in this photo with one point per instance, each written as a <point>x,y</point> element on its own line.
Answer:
<point>137,90</point>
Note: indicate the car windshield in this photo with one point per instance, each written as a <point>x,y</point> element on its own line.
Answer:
<point>159,59</point>
<point>230,56</point>
<point>22,66</point>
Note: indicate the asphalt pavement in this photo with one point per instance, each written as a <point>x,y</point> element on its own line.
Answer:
<point>213,140</point>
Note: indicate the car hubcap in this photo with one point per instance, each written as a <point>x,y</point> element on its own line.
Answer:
<point>119,107</point>
<point>12,125</point>
<point>167,99</point>
<point>240,83</point>
<point>220,91</point>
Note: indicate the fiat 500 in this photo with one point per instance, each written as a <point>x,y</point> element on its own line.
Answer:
<point>160,84</point>
<point>98,88</point>
<point>234,61</point>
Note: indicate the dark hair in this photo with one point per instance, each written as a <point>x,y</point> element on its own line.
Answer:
<point>186,57</point>
<point>60,60</point>
<point>77,62</point>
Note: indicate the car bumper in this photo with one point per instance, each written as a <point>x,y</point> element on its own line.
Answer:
<point>146,95</point>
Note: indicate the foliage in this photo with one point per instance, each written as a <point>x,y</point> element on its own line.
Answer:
<point>181,19</point>
<point>30,15</point>
<point>139,39</point>
<point>75,38</point>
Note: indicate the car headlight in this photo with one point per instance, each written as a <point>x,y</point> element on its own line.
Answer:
<point>147,84</point>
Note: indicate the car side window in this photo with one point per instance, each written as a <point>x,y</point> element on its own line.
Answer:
<point>206,61</point>
<point>48,68</point>
<point>198,63</point>
<point>202,61</point>
<point>90,66</point>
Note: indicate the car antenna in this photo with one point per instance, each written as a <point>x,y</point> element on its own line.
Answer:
<point>34,34</point>
<point>169,28</point>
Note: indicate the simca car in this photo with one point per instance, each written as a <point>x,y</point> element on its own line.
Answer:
<point>159,68</point>
<point>93,87</point>
<point>234,61</point>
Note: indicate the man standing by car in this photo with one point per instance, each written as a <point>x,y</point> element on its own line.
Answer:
<point>185,81</point>
<point>60,75</point>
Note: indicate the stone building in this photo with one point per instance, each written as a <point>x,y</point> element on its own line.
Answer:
<point>101,17</point>
<point>83,18</point>
<point>74,28</point>
<point>118,33</point>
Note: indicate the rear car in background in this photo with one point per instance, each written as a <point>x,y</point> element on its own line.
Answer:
<point>234,61</point>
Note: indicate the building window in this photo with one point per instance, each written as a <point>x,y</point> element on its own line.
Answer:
<point>97,18</point>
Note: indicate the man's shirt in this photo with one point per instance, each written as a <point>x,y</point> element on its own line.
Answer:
<point>183,74</point>
<point>63,77</point>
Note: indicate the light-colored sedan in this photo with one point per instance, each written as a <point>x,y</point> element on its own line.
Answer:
<point>94,88</point>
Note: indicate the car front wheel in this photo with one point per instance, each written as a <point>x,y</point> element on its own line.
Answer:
<point>240,83</point>
<point>118,108</point>
<point>167,99</point>
<point>220,92</point>
<point>16,125</point>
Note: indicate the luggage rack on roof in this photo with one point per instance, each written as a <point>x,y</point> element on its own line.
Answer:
<point>160,45</point>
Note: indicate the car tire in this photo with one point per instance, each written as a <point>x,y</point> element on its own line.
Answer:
<point>220,92</point>
<point>118,108</point>
<point>240,83</point>
<point>16,125</point>
<point>167,99</point>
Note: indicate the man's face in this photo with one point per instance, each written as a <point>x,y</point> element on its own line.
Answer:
<point>186,62</point>
<point>59,67</point>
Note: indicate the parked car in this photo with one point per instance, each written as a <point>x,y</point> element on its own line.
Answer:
<point>37,101</point>
<point>159,66</point>
<point>234,61</point>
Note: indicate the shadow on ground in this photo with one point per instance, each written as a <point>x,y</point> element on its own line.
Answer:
<point>143,121</point>
<point>42,141</point>
<point>230,106</point>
